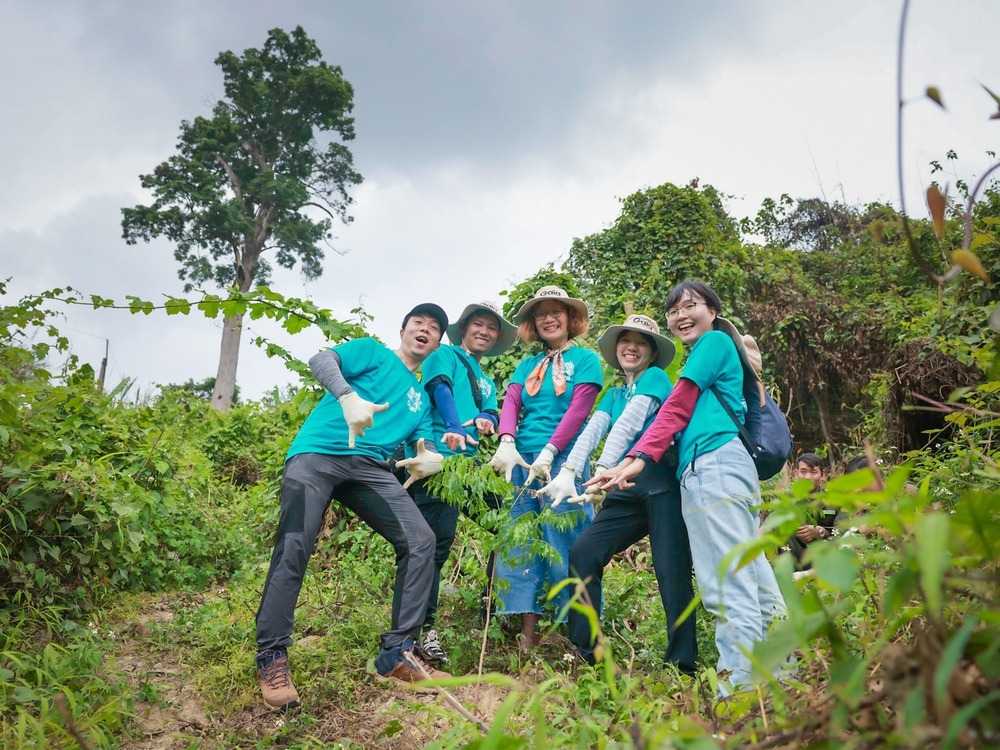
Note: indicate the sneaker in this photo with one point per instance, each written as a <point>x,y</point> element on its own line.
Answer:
<point>431,649</point>
<point>275,680</point>
<point>412,669</point>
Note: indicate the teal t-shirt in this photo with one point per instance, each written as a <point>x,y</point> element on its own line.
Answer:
<point>378,375</point>
<point>713,361</point>
<point>654,383</point>
<point>446,362</point>
<point>541,413</point>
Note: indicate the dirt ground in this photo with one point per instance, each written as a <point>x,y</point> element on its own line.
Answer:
<point>178,718</point>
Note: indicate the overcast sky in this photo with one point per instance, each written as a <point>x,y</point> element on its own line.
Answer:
<point>489,135</point>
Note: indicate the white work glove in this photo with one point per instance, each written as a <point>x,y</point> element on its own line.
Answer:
<point>590,495</point>
<point>359,414</point>
<point>542,465</point>
<point>506,458</point>
<point>562,487</point>
<point>422,465</point>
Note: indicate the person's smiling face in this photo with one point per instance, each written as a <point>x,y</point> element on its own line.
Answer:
<point>690,318</point>
<point>552,323</point>
<point>420,336</point>
<point>634,352</point>
<point>482,331</point>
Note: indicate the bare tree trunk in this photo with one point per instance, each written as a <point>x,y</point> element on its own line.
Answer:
<point>824,423</point>
<point>225,378</point>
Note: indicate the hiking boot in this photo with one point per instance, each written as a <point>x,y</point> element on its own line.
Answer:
<point>275,680</point>
<point>412,669</point>
<point>431,649</point>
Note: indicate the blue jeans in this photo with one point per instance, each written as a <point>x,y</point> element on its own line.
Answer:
<point>718,493</point>
<point>527,574</point>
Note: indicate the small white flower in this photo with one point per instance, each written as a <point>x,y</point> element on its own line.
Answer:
<point>279,723</point>
<point>568,657</point>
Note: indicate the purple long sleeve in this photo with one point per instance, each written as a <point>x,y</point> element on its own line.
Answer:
<point>511,410</point>
<point>584,396</point>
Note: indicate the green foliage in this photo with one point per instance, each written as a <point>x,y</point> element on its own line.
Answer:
<point>663,235</point>
<point>240,180</point>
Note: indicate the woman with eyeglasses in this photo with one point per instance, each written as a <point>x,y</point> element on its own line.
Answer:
<point>719,485</point>
<point>548,400</point>
<point>652,508</point>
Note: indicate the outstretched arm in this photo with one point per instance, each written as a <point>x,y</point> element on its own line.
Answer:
<point>626,428</point>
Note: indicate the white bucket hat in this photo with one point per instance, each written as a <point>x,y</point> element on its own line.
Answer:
<point>745,345</point>
<point>608,341</point>
<point>551,292</point>
<point>508,331</point>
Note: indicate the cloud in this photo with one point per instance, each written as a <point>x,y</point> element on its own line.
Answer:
<point>489,135</point>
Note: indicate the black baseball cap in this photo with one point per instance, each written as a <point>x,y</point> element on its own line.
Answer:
<point>429,308</point>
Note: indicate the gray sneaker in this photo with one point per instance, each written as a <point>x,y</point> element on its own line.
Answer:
<point>431,650</point>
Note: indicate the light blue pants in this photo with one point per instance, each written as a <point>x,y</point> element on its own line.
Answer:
<point>718,491</point>
<point>527,575</point>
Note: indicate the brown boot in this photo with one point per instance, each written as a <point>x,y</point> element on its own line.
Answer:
<point>411,670</point>
<point>529,633</point>
<point>275,680</point>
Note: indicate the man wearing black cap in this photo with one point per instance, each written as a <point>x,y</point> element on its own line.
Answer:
<point>463,408</point>
<point>341,452</point>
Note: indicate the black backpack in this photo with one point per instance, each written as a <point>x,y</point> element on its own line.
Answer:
<point>766,435</point>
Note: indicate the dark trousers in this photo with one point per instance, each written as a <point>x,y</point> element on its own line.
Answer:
<point>653,507</point>
<point>442,518</point>
<point>366,487</point>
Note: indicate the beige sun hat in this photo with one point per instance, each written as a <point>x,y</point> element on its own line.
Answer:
<point>745,345</point>
<point>508,331</point>
<point>551,292</point>
<point>607,343</point>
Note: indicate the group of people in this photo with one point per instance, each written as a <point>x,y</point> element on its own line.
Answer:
<point>672,467</point>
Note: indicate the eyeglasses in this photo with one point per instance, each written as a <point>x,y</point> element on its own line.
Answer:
<point>687,309</point>
<point>543,314</point>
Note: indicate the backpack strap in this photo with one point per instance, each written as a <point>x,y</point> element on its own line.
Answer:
<point>477,394</point>
<point>744,434</point>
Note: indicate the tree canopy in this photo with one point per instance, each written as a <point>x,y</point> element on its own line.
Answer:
<point>254,177</point>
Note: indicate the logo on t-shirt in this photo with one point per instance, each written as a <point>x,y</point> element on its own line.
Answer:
<point>413,399</point>
<point>569,368</point>
<point>486,387</point>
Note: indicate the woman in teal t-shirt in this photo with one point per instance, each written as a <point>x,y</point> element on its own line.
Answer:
<point>547,402</point>
<point>651,508</point>
<point>719,485</point>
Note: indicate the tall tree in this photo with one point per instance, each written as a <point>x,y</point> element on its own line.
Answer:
<point>254,178</point>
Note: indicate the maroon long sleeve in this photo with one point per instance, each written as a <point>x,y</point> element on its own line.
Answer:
<point>673,417</point>
<point>584,396</point>
<point>511,410</point>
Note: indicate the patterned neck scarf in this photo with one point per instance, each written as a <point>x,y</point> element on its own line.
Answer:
<point>534,382</point>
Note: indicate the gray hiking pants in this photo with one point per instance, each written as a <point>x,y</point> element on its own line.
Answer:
<point>366,487</point>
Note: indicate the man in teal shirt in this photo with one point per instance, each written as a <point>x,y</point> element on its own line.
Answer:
<point>341,452</point>
<point>464,401</point>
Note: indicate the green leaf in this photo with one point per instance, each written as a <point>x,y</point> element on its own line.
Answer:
<point>951,655</point>
<point>835,565</point>
<point>934,94</point>
<point>932,556</point>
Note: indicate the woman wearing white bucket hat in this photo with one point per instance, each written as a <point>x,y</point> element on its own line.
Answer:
<point>547,402</point>
<point>652,507</point>
<point>719,485</point>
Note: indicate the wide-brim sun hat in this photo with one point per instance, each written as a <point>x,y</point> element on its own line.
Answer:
<point>551,292</point>
<point>607,343</point>
<point>508,331</point>
<point>746,345</point>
